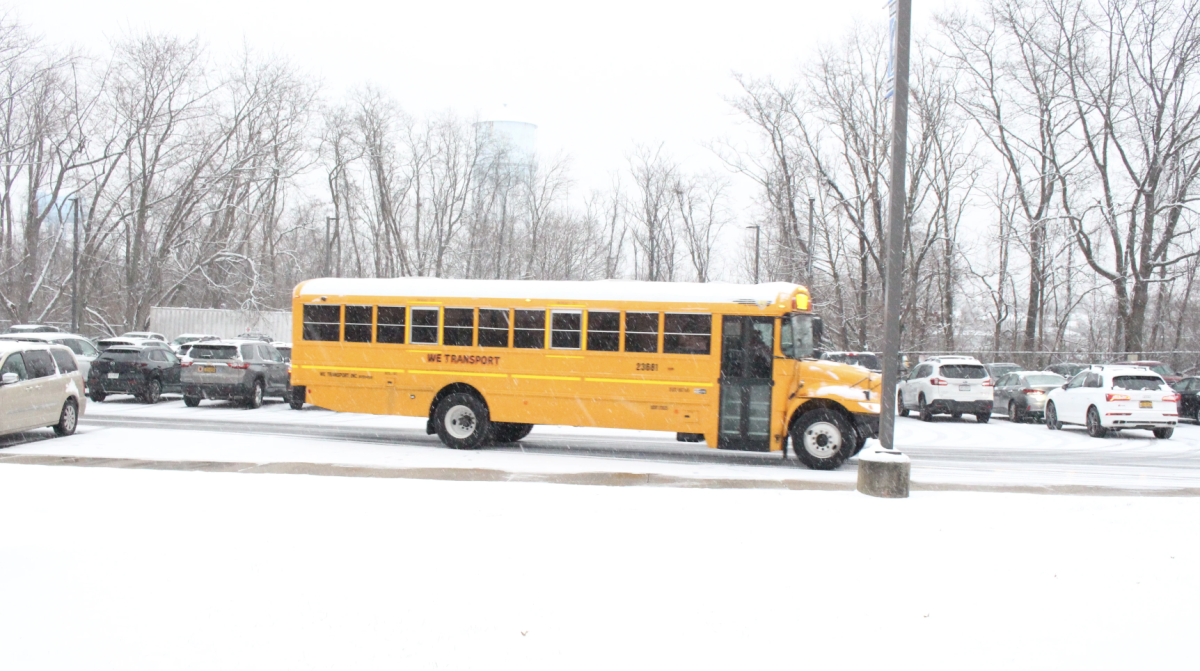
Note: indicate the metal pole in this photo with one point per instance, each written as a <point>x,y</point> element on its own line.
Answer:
<point>756,238</point>
<point>75,271</point>
<point>809,270</point>
<point>895,230</point>
<point>328,257</point>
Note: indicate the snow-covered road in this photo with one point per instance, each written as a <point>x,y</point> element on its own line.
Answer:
<point>945,452</point>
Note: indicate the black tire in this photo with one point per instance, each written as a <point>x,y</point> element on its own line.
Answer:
<point>68,418</point>
<point>823,439</point>
<point>191,401</point>
<point>983,417</point>
<point>1163,434</point>
<point>462,421</point>
<point>956,415</point>
<point>509,432</point>
<point>1052,422</point>
<point>900,404</point>
<point>296,398</point>
<point>97,395</point>
<point>255,400</point>
<point>1015,415</point>
<point>153,392</point>
<point>923,409</point>
<point>860,440</point>
<point>1094,428</point>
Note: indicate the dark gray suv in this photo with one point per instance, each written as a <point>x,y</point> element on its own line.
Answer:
<point>234,370</point>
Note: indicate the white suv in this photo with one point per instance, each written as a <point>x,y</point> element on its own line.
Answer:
<point>1110,398</point>
<point>948,385</point>
<point>40,386</point>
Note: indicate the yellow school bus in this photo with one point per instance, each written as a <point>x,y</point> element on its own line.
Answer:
<point>731,365</point>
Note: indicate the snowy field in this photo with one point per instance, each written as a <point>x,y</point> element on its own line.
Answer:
<point>124,569</point>
<point>945,452</point>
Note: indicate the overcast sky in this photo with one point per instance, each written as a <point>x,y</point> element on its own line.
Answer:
<point>594,77</point>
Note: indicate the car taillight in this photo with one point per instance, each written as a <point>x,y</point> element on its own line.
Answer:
<point>1116,397</point>
<point>1174,398</point>
<point>987,383</point>
<point>1032,391</point>
<point>938,382</point>
<point>184,364</point>
<point>241,366</point>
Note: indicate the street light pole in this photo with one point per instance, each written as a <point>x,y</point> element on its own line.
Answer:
<point>895,231</point>
<point>328,247</point>
<point>808,276</point>
<point>75,269</point>
<point>756,240</point>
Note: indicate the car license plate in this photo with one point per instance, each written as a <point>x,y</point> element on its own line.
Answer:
<point>113,376</point>
<point>208,369</point>
<point>1147,404</point>
<point>964,387</point>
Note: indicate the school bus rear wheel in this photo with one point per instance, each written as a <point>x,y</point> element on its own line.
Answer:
<point>462,421</point>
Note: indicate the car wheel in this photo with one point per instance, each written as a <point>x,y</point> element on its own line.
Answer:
<point>68,419</point>
<point>1094,428</point>
<point>256,395</point>
<point>462,421</point>
<point>983,417</point>
<point>1052,422</point>
<point>956,415</point>
<point>191,401</point>
<point>508,432</point>
<point>923,409</point>
<point>1014,415</point>
<point>901,406</point>
<point>153,392</point>
<point>1163,434</point>
<point>97,395</point>
<point>823,439</point>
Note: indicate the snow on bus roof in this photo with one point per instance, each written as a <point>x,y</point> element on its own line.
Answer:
<point>598,290</point>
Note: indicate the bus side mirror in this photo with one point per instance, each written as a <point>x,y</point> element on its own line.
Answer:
<point>818,328</point>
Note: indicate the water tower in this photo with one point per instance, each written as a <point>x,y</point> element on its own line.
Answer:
<point>503,131</point>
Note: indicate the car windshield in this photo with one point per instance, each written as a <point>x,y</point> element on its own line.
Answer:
<point>1164,369</point>
<point>868,361</point>
<point>286,352</point>
<point>963,372</point>
<point>120,355</point>
<point>1139,383</point>
<point>1045,379</point>
<point>183,339</point>
<point>213,352</point>
<point>796,336</point>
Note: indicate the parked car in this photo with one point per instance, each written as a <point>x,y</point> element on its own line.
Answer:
<point>189,338</point>
<point>145,372</point>
<point>40,386</point>
<point>996,370</point>
<point>1159,367</point>
<point>105,343</point>
<point>261,337</point>
<point>1023,394</point>
<point>234,370</point>
<point>1068,370</point>
<point>868,360</point>
<point>1111,398</point>
<point>31,328</point>
<point>145,335</point>
<point>951,385</point>
<point>83,349</point>
<point>285,349</point>
<point>1189,397</point>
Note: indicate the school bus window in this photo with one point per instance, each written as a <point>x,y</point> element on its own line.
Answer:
<point>424,326</point>
<point>358,323</point>
<point>641,332</point>
<point>322,322</point>
<point>604,331</point>
<point>493,328</point>
<point>390,325</point>
<point>687,333</point>
<point>529,329</point>
<point>566,329</point>
<point>458,327</point>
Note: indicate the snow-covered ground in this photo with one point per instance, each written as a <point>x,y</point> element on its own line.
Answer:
<point>132,569</point>
<point>944,452</point>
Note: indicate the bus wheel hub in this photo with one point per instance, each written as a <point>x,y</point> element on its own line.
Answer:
<point>822,440</point>
<point>460,422</point>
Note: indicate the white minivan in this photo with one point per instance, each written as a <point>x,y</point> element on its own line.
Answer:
<point>40,386</point>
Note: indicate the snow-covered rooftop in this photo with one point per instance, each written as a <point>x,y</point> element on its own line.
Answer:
<point>601,290</point>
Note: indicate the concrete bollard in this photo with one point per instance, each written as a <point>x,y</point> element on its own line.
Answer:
<point>883,473</point>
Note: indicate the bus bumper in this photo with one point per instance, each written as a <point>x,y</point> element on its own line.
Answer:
<point>867,423</point>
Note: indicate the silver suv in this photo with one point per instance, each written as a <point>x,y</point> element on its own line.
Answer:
<point>234,370</point>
